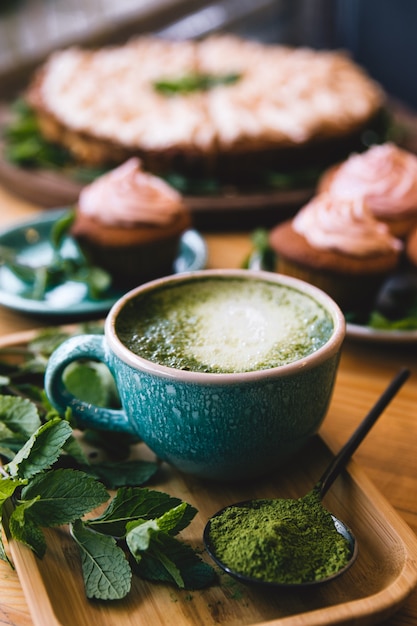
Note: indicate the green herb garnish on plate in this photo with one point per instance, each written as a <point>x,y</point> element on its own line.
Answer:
<point>60,268</point>
<point>190,83</point>
<point>262,257</point>
<point>380,322</point>
<point>25,146</point>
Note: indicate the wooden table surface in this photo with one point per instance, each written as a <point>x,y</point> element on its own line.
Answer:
<point>388,455</point>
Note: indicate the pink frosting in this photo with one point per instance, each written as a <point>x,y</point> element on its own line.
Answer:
<point>127,196</point>
<point>385,175</point>
<point>345,225</point>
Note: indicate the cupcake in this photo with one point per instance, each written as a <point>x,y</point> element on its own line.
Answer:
<point>129,223</point>
<point>386,176</point>
<point>337,245</point>
<point>411,249</point>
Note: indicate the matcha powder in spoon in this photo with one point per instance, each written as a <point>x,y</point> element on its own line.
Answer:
<point>286,541</point>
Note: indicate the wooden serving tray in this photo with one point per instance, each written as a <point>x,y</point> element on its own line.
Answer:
<point>376,585</point>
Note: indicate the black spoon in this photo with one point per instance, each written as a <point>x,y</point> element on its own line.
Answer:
<point>323,485</point>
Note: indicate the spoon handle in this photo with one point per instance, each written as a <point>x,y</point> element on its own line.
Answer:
<point>361,431</point>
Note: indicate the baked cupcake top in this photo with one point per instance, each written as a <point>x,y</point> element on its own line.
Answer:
<point>128,196</point>
<point>344,225</point>
<point>385,175</point>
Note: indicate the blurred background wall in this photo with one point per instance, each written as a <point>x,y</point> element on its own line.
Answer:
<point>379,34</point>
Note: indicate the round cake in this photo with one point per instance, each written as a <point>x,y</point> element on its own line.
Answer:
<point>222,106</point>
<point>129,223</point>
<point>386,176</point>
<point>337,245</point>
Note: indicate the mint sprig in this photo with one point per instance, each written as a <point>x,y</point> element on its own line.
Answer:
<point>61,268</point>
<point>137,521</point>
<point>49,481</point>
<point>26,146</point>
<point>160,556</point>
<point>190,83</point>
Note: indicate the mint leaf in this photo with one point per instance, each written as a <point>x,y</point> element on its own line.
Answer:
<point>130,504</point>
<point>139,535</point>
<point>174,520</point>
<point>19,416</point>
<point>63,496</point>
<point>140,532</point>
<point>172,571</point>
<point>172,561</point>
<point>189,83</point>
<point>47,340</point>
<point>380,322</point>
<point>41,450</point>
<point>161,557</point>
<point>8,452</point>
<point>91,382</point>
<point>262,256</point>
<point>24,529</point>
<point>73,449</point>
<point>97,280</point>
<point>7,488</point>
<point>3,555</point>
<point>123,474</point>
<point>60,229</point>
<point>106,571</point>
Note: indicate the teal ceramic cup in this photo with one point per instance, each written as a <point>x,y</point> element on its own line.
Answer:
<point>227,426</point>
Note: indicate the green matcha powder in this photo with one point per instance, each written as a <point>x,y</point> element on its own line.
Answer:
<point>280,541</point>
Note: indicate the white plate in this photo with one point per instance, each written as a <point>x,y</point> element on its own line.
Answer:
<point>365,333</point>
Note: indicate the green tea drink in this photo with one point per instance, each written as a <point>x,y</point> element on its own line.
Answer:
<point>223,325</point>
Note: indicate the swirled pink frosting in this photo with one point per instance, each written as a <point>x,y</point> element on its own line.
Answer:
<point>129,196</point>
<point>345,225</point>
<point>385,175</point>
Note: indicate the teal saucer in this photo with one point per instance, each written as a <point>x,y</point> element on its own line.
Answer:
<point>69,300</point>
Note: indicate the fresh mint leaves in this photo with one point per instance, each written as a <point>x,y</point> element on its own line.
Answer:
<point>262,257</point>
<point>50,481</point>
<point>25,146</point>
<point>159,556</point>
<point>61,268</point>
<point>190,83</point>
<point>41,450</point>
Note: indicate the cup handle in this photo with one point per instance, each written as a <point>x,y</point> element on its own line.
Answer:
<point>87,415</point>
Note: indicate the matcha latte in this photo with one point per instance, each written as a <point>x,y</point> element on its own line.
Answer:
<point>223,325</point>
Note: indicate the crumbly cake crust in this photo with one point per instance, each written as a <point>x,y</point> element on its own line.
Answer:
<point>288,103</point>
